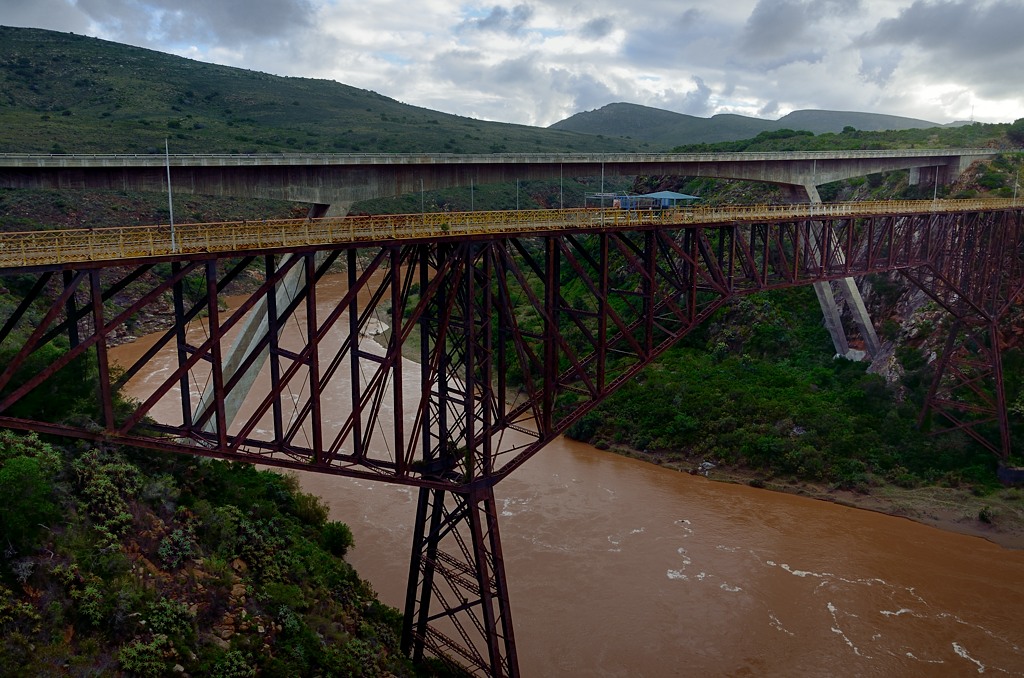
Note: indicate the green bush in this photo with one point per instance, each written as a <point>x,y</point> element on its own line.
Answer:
<point>145,659</point>
<point>311,509</point>
<point>27,501</point>
<point>177,548</point>
<point>171,618</point>
<point>233,664</point>
<point>337,538</point>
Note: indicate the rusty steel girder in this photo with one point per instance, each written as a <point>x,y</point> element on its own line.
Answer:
<point>515,338</point>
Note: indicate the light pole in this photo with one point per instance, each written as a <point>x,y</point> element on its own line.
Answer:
<point>170,199</point>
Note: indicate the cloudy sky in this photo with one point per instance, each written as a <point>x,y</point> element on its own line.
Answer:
<point>538,61</point>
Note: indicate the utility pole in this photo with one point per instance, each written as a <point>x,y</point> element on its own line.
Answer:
<point>170,198</point>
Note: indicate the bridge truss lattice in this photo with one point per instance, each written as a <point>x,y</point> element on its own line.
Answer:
<point>515,337</point>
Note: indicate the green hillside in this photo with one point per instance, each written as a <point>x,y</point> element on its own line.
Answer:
<point>65,93</point>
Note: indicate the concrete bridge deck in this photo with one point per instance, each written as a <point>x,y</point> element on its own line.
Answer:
<point>341,179</point>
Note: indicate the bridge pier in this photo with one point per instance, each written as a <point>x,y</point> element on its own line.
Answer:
<point>457,560</point>
<point>261,322</point>
<point>849,291</point>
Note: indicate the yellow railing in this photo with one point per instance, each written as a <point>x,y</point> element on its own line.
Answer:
<point>40,248</point>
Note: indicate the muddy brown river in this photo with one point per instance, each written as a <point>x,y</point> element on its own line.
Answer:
<point>621,568</point>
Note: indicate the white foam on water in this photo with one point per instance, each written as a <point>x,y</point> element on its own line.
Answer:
<point>510,506</point>
<point>774,622</point>
<point>798,573</point>
<point>910,655</point>
<point>683,523</point>
<point>838,631</point>
<point>730,589</point>
<point>677,574</point>
<point>959,649</point>
<point>897,613</point>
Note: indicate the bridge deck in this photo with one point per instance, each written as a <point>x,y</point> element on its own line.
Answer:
<point>46,248</point>
<point>75,160</point>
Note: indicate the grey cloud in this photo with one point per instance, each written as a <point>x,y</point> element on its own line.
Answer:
<point>967,28</point>
<point>879,65</point>
<point>584,91</point>
<point>976,43</point>
<point>595,29</point>
<point>57,15</point>
<point>672,39</point>
<point>225,22</point>
<point>693,102</point>
<point>502,20</point>
<point>540,94</point>
<point>782,32</point>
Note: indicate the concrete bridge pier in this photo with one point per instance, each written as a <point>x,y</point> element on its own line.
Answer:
<point>926,176</point>
<point>256,326</point>
<point>848,290</point>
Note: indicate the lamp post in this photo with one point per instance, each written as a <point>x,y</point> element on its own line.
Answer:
<point>170,199</point>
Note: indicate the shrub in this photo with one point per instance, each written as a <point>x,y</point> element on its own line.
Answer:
<point>337,538</point>
<point>177,547</point>
<point>233,665</point>
<point>172,619</point>
<point>1016,131</point>
<point>311,509</point>
<point>26,505</point>
<point>145,659</point>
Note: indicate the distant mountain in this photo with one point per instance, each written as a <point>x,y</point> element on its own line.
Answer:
<point>665,129</point>
<point>834,121</point>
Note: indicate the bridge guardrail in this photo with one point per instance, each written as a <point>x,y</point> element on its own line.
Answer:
<point>40,248</point>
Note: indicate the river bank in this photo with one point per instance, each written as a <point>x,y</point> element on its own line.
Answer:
<point>996,516</point>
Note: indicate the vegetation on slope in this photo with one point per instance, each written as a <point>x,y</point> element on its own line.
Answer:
<point>976,135</point>
<point>117,561</point>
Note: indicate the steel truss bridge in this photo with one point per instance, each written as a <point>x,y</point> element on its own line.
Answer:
<point>521,323</point>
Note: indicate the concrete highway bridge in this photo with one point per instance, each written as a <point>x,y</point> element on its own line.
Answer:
<point>522,322</point>
<point>341,179</point>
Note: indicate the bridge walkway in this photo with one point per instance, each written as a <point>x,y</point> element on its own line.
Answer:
<point>106,244</point>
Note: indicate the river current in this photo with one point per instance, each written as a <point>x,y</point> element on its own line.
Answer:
<point>617,567</point>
